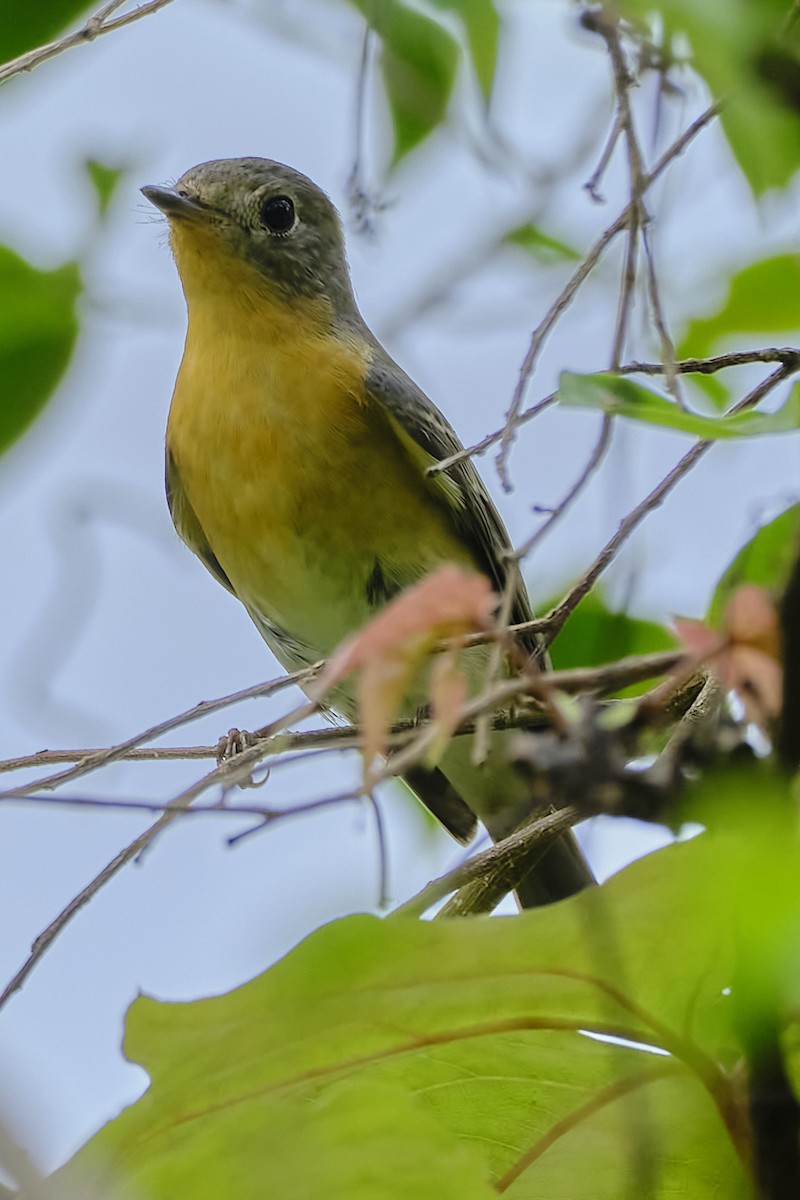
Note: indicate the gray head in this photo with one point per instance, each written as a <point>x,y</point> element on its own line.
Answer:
<point>232,217</point>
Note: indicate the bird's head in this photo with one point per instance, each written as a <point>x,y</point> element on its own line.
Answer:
<point>257,228</point>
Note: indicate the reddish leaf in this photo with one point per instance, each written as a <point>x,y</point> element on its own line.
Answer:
<point>390,651</point>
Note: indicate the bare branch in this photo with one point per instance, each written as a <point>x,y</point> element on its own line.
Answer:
<point>595,459</point>
<point>581,273</point>
<point>558,617</point>
<point>102,758</point>
<point>94,27</point>
<point>482,881</point>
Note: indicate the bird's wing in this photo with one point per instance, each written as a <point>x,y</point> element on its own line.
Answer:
<point>187,524</point>
<point>428,437</point>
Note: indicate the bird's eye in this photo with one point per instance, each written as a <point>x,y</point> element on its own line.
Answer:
<point>277,214</point>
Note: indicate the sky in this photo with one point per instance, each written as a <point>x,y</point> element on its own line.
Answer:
<point>111,625</point>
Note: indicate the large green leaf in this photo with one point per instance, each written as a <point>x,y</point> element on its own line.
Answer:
<point>765,560</point>
<point>617,395</point>
<point>25,24</point>
<point>37,334</point>
<point>419,59</point>
<point>744,51</point>
<point>380,1054</point>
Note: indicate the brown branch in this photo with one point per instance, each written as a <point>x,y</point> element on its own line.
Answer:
<point>595,459</point>
<point>482,881</point>
<point>48,935</point>
<point>558,617</point>
<point>567,294</point>
<point>101,758</point>
<point>601,680</point>
<point>787,355</point>
<point>660,322</point>
<point>610,677</point>
<point>97,25</point>
<point>593,183</point>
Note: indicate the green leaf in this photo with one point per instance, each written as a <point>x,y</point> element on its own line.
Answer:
<point>25,25</point>
<point>620,396</point>
<point>419,60</point>
<point>541,246</point>
<point>763,299</point>
<point>36,337</point>
<point>595,634</point>
<point>748,58</point>
<point>482,26</point>
<point>388,1059</point>
<point>765,560</point>
<point>104,180</point>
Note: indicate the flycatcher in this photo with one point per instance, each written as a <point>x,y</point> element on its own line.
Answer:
<point>297,453</point>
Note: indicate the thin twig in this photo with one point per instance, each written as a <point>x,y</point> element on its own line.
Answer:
<point>600,680</point>
<point>568,292</point>
<point>660,322</point>
<point>593,183</point>
<point>497,870</point>
<point>101,758</point>
<point>558,617</point>
<point>595,459</point>
<point>610,677</point>
<point>94,27</point>
<point>48,935</point>
<point>789,356</point>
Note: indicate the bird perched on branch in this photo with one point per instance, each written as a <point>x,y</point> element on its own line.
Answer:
<point>297,457</point>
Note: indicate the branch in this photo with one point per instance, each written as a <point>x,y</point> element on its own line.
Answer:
<point>94,27</point>
<point>601,680</point>
<point>788,355</point>
<point>101,758</point>
<point>568,293</point>
<point>558,617</point>
<point>482,882</point>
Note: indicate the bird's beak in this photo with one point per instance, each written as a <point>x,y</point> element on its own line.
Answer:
<point>172,203</point>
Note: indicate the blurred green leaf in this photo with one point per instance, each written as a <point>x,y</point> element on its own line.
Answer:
<point>104,180</point>
<point>620,396</point>
<point>735,46</point>
<point>763,298</point>
<point>37,335</point>
<point>419,59</point>
<point>25,24</point>
<point>595,634</point>
<point>765,560</point>
<point>544,248</point>
<point>482,25</point>
<point>400,1058</point>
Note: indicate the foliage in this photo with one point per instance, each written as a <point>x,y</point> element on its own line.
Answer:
<point>23,25</point>
<point>620,397</point>
<point>384,1053</point>
<point>765,560</point>
<point>36,339</point>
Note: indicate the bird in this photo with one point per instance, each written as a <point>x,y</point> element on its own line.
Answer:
<point>297,462</point>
